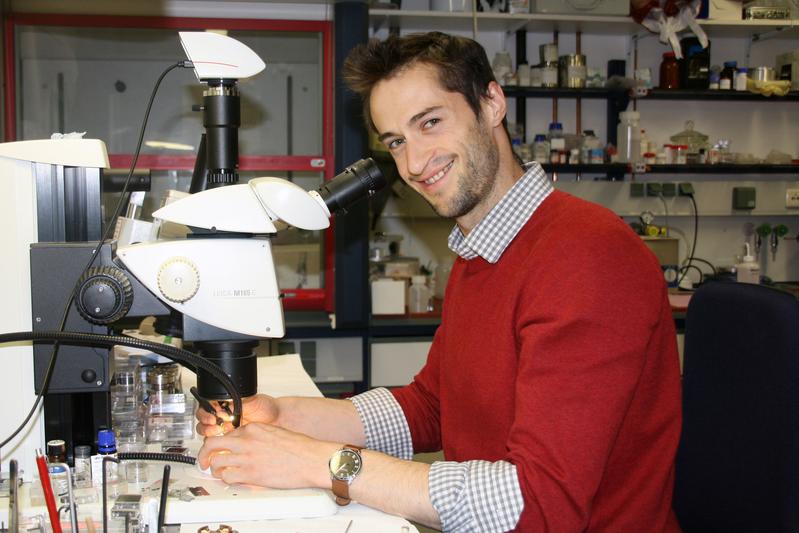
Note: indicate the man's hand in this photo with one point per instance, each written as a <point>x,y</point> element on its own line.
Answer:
<point>259,408</point>
<point>268,456</point>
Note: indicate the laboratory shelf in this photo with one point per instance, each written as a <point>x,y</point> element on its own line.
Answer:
<point>421,20</point>
<point>404,327</point>
<point>619,169</point>
<point>718,95</point>
<point>723,169</point>
<point>652,94</point>
<point>561,92</point>
<point>605,168</point>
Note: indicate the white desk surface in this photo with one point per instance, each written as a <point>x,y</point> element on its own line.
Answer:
<point>358,518</point>
<point>279,376</point>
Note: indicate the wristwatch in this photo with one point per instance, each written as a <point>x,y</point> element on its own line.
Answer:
<point>345,465</point>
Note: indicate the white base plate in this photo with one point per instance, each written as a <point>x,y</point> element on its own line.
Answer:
<point>229,503</point>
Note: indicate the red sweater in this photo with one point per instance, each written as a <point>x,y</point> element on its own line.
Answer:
<point>561,358</point>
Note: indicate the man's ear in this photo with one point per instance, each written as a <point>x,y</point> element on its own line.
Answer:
<point>494,104</point>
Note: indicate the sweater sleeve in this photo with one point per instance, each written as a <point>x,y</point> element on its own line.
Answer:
<point>420,401</point>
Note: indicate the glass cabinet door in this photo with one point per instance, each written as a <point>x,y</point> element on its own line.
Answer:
<point>84,76</point>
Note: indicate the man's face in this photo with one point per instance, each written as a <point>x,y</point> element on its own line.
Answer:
<point>440,147</point>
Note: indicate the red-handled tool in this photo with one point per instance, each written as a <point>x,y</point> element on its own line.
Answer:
<point>47,489</point>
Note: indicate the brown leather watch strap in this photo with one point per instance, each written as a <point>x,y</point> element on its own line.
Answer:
<point>341,489</point>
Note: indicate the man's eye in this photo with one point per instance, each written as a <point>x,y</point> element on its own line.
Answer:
<point>430,123</point>
<point>394,144</point>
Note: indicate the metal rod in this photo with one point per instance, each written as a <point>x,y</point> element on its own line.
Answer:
<point>13,497</point>
<point>578,112</point>
<point>164,494</point>
<point>635,67</point>
<point>555,98</point>
<point>106,460</point>
<point>73,508</point>
<point>474,19</point>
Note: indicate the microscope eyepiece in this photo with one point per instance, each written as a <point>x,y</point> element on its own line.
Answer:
<point>361,179</point>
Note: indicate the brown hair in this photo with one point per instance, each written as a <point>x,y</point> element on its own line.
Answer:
<point>461,63</point>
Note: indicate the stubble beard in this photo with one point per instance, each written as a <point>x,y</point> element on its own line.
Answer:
<point>478,178</point>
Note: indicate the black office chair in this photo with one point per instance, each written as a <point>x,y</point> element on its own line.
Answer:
<point>738,460</point>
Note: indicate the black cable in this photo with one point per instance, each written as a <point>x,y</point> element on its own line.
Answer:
<point>155,456</point>
<point>686,268</point>
<point>176,354</point>
<point>108,230</point>
<point>164,494</point>
<point>708,263</point>
<point>696,238</point>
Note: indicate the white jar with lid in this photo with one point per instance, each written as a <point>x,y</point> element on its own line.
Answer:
<point>748,270</point>
<point>740,78</point>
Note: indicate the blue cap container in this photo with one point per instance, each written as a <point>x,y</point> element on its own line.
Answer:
<point>106,441</point>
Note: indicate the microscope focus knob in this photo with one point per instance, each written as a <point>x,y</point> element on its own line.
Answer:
<point>104,295</point>
<point>178,279</point>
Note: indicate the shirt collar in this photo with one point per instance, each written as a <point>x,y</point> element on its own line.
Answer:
<point>494,233</point>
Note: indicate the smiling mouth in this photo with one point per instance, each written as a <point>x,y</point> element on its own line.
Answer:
<point>439,174</point>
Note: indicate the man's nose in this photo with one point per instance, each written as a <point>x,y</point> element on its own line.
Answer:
<point>417,156</point>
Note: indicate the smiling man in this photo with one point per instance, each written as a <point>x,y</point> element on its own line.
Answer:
<point>552,385</point>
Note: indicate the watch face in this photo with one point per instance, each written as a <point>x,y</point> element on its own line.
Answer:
<point>345,464</point>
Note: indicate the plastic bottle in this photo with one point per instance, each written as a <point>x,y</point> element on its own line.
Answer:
<point>541,149</point>
<point>588,142</point>
<point>629,137</point>
<point>740,78</point>
<point>555,130</point>
<point>644,143</point>
<point>106,445</point>
<point>557,143</point>
<point>82,473</point>
<point>419,297</point>
<point>748,270</point>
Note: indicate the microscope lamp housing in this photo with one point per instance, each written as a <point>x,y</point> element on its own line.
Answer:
<point>218,57</point>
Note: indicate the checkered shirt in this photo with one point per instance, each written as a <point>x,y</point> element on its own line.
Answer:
<point>479,496</point>
<point>496,231</point>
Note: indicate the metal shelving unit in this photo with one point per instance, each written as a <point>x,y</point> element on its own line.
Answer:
<point>592,24</point>
<point>653,94</point>
<point>718,95</point>
<point>561,92</point>
<point>723,169</point>
<point>616,169</point>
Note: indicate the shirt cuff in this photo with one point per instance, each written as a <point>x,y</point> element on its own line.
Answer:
<point>475,495</point>
<point>384,423</point>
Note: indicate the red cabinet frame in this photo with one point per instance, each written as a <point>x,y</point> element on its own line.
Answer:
<point>300,299</point>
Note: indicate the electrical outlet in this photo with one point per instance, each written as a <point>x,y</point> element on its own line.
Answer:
<point>636,189</point>
<point>792,198</point>
<point>653,188</point>
<point>685,188</point>
<point>669,189</point>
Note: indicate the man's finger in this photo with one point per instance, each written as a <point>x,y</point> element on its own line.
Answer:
<point>234,474</point>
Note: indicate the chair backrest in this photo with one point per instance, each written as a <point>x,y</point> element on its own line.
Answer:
<point>738,459</point>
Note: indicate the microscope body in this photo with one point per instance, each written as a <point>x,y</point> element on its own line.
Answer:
<point>216,289</point>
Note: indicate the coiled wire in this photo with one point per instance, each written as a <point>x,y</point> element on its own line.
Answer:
<point>107,341</point>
